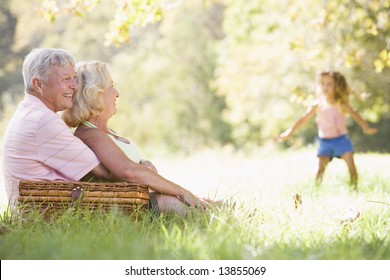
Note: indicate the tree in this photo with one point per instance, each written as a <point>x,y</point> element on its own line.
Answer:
<point>168,83</point>
<point>8,59</point>
<point>273,49</point>
<point>129,14</point>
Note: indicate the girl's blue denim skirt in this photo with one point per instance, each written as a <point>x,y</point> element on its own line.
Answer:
<point>334,147</point>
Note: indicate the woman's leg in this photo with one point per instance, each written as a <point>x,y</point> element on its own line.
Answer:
<point>322,163</point>
<point>169,203</point>
<point>348,158</point>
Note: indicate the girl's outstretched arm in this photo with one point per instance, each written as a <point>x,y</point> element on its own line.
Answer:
<point>310,112</point>
<point>357,118</point>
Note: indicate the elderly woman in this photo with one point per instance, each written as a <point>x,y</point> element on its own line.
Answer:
<point>93,106</point>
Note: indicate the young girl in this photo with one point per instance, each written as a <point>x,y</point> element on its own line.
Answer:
<point>331,108</point>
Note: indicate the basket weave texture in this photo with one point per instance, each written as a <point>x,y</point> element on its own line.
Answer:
<point>66,194</point>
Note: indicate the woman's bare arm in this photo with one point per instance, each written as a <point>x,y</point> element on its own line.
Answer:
<point>101,171</point>
<point>124,169</point>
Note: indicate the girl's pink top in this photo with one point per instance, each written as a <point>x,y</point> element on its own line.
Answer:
<point>330,122</point>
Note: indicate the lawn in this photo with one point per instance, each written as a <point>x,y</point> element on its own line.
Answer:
<point>258,219</point>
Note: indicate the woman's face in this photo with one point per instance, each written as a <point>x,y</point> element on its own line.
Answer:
<point>326,86</point>
<point>109,99</point>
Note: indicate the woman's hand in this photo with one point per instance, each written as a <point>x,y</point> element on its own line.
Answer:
<point>148,164</point>
<point>193,201</point>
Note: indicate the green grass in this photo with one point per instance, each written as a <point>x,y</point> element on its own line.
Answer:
<point>264,225</point>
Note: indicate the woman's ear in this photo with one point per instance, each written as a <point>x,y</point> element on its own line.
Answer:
<point>37,84</point>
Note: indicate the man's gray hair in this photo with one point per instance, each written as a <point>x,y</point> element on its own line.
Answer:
<point>37,64</point>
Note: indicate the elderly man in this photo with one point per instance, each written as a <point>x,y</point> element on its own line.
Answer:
<point>38,145</point>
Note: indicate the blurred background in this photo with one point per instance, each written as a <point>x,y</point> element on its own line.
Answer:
<point>209,74</point>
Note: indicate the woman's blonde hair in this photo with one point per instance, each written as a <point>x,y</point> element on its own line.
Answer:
<point>342,90</point>
<point>93,80</point>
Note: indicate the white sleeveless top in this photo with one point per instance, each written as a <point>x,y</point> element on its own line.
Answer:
<point>128,148</point>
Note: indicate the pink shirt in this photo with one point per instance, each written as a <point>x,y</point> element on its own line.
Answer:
<point>38,145</point>
<point>330,122</point>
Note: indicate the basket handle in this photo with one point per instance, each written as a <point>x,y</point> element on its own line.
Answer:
<point>77,195</point>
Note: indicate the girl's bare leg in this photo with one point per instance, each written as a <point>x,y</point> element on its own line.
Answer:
<point>322,163</point>
<point>348,158</point>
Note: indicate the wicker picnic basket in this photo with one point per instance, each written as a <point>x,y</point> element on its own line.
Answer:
<point>62,195</point>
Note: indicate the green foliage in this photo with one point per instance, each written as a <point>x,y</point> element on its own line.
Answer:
<point>128,14</point>
<point>209,73</point>
<point>8,58</point>
<point>166,83</point>
<point>273,49</point>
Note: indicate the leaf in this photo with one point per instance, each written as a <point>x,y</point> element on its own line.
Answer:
<point>379,65</point>
<point>384,55</point>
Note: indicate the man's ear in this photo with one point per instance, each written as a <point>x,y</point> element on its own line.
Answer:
<point>37,84</point>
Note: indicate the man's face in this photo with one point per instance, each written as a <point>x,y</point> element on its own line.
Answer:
<point>59,88</point>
